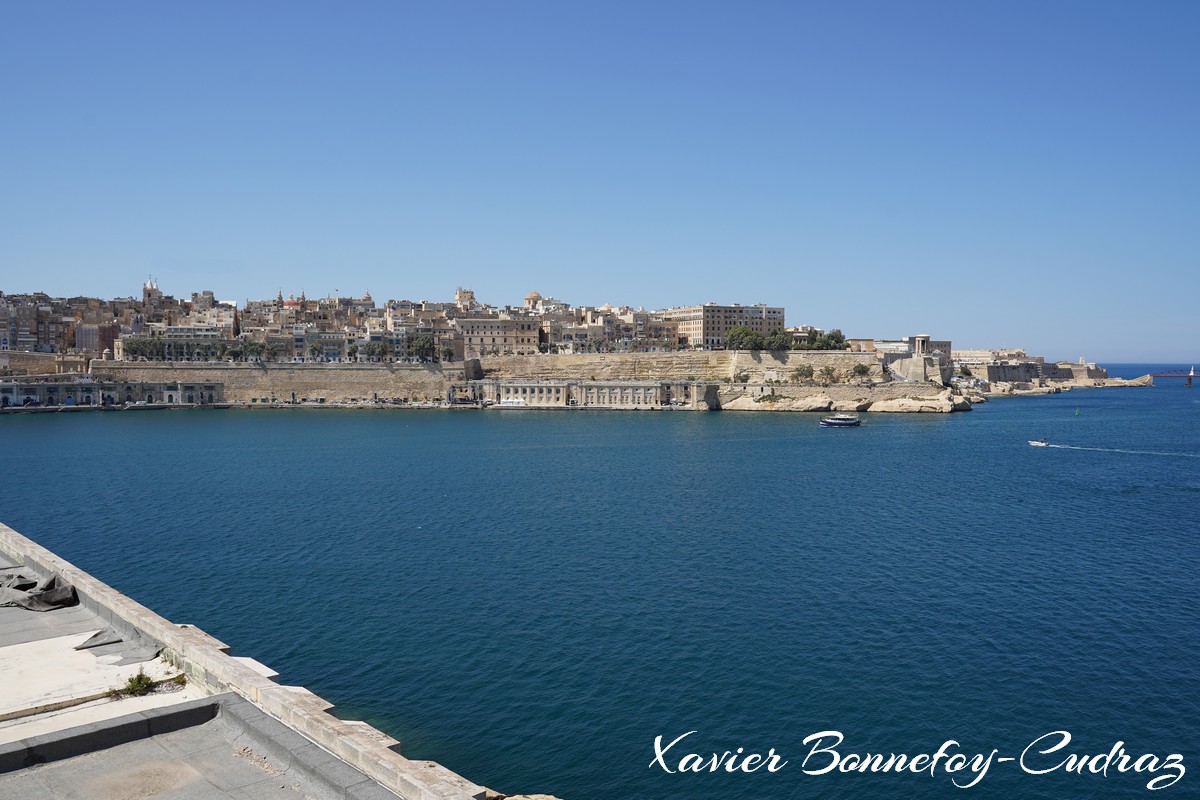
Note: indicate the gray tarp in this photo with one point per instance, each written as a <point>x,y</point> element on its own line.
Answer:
<point>18,589</point>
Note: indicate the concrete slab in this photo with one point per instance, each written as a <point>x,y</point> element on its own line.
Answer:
<point>28,785</point>
<point>137,769</point>
<point>44,674</point>
<point>20,625</point>
<point>14,730</point>
<point>218,759</point>
<point>231,767</point>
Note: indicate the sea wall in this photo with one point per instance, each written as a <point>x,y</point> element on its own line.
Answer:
<point>246,382</point>
<point>788,373</point>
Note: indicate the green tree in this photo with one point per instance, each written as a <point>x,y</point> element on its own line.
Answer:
<point>834,340</point>
<point>965,371</point>
<point>422,347</point>
<point>778,341</point>
<point>861,369</point>
<point>314,350</point>
<point>447,353</point>
<point>352,351</point>
<point>828,374</point>
<point>740,337</point>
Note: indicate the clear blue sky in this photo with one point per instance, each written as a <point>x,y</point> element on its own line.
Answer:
<point>1005,173</point>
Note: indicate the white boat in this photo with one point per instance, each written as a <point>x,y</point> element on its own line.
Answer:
<point>512,402</point>
<point>1038,443</point>
<point>840,421</point>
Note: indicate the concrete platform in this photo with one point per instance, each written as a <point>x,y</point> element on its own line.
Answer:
<point>213,748</point>
<point>227,729</point>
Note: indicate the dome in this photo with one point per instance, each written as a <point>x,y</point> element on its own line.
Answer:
<point>533,296</point>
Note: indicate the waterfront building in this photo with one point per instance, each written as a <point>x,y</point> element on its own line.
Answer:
<point>87,390</point>
<point>611,394</point>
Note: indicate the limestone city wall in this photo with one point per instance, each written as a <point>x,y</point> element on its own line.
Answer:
<point>340,382</point>
<point>334,382</point>
<point>712,365</point>
<point>25,363</point>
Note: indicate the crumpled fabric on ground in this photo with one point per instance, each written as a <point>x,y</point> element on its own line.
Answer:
<point>19,589</point>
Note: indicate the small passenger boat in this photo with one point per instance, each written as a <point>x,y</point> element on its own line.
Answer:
<point>840,421</point>
<point>1038,443</point>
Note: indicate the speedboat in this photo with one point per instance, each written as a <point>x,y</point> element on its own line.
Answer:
<point>1038,443</point>
<point>840,421</point>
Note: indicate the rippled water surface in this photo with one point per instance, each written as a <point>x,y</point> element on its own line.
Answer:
<point>531,597</point>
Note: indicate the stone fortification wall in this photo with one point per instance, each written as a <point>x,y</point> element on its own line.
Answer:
<point>22,363</point>
<point>1030,372</point>
<point>1019,372</point>
<point>334,382</point>
<point>245,382</point>
<point>703,365</point>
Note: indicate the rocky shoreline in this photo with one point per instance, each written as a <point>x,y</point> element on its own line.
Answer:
<point>897,398</point>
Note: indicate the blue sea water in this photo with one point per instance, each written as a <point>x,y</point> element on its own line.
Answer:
<point>531,598</point>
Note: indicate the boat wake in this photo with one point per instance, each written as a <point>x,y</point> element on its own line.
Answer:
<point>1121,450</point>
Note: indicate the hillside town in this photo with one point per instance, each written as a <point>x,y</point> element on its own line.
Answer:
<point>157,350</point>
<point>158,326</point>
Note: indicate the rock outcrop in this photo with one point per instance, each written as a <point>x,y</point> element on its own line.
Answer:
<point>938,404</point>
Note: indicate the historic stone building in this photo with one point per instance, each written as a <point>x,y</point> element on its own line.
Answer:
<point>704,327</point>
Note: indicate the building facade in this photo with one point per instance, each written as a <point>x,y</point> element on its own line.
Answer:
<point>705,327</point>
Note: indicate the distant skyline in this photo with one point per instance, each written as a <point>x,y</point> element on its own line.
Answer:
<point>1019,174</point>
